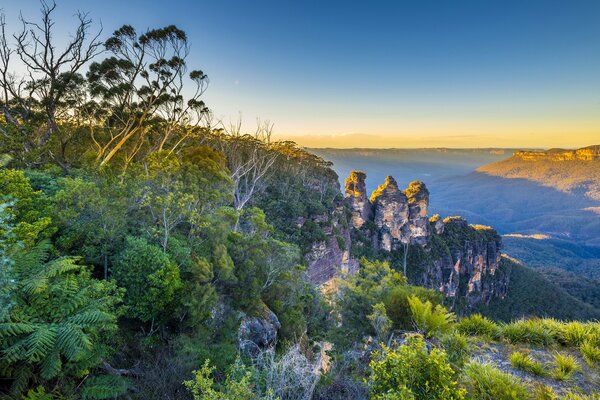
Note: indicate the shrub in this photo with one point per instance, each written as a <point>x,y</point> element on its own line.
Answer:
<point>236,386</point>
<point>530,331</point>
<point>486,382</point>
<point>430,320</point>
<point>476,325</point>
<point>413,372</point>
<point>578,396</point>
<point>149,276</point>
<point>564,365</point>
<point>457,349</point>
<point>524,362</point>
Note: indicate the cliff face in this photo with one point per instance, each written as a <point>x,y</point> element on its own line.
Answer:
<point>450,255</point>
<point>458,259</point>
<point>584,154</point>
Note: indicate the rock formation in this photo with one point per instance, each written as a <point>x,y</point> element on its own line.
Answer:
<point>258,333</point>
<point>461,261</point>
<point>356,196</point>
<point>391,214</point>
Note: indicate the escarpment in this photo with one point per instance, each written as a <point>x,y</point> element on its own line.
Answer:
<point>460,260</point>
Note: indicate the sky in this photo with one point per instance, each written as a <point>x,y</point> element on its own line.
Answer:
<point>511,73</point>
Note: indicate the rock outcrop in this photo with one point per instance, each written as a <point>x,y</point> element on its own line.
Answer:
<point>391,214</point>
<point>258,333</point>
<point>330,257</point>
<point>356,197</point>
<point>450,255</point>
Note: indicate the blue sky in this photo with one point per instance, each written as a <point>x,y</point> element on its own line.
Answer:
<point>407,74</point>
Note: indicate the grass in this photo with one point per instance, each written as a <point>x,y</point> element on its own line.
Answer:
<point>486,382</point>
<point>478,325</point>
<point>564,366</point>
<point>525,362</point>
<point>528,331</point>
<point>457,349</point>
<point>590,350</point>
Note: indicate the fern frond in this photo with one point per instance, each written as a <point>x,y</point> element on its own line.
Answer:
<point>15,329</point>
<point>72,341</point>
<point>51,365</point>
<point>40,342</point>
<point>104,387</point>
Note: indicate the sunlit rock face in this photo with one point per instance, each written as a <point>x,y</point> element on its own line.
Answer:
<point>356,198</point>
<point>456,258</point>
<point>418,221</point>
<point>589,153</point>
<point>390,213</point>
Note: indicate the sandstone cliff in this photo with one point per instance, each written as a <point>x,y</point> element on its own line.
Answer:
<point>460,260</point>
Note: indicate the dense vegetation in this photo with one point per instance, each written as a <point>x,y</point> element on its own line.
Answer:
<point>140,242</point>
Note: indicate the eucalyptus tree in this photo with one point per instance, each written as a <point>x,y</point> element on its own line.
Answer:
<point>147,99</point>
<point>34,94</point>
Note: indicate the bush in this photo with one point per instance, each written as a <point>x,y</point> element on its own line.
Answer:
<point>486,382</point>
<point>564,365</point>
<point>457,349</point>
<point>412,372</point>
<point>236,386</point>
<point>524,362</point>
<point>430,320</point>
<point>477,325</point>
<point>530,331</point>
<point>149,277</point>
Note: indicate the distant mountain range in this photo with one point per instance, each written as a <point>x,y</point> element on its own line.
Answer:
<point>570,171</point>
<point>545,203</point>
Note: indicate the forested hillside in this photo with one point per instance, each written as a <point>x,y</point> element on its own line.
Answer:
<point>148,251</point>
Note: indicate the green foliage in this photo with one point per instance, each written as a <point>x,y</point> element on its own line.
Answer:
<point>412,372</point>
<point>237,385</point>
<point>60,320</point>
<point>477,325</point>
<point>486,382</point>
<point>380,321</point>
<point>525,362</point>
<point>27,208</point>
<point>530,331</point>
<point>457,349</point>
<point>149,277</point>
<point>428,319</point>
<point>590,350</point>
<point>104,387</point>
<point>564,366</point>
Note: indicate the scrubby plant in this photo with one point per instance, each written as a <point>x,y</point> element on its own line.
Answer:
<point>476,325</point>
<point>579,396</point>
<point>574,333</point>
<point>237,385</point>
<point>428,319</point>
<point>530,331</point>
<point>590,350</point>
<point>413,372</point>
<point>525,362</point>
<point>565,365</point>
<point>486,382</point>
<point>543,392</point>
<point>457,349</point>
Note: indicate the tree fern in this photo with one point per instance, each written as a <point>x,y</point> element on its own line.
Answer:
<point>58,316</point>
<point>104,387</point>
